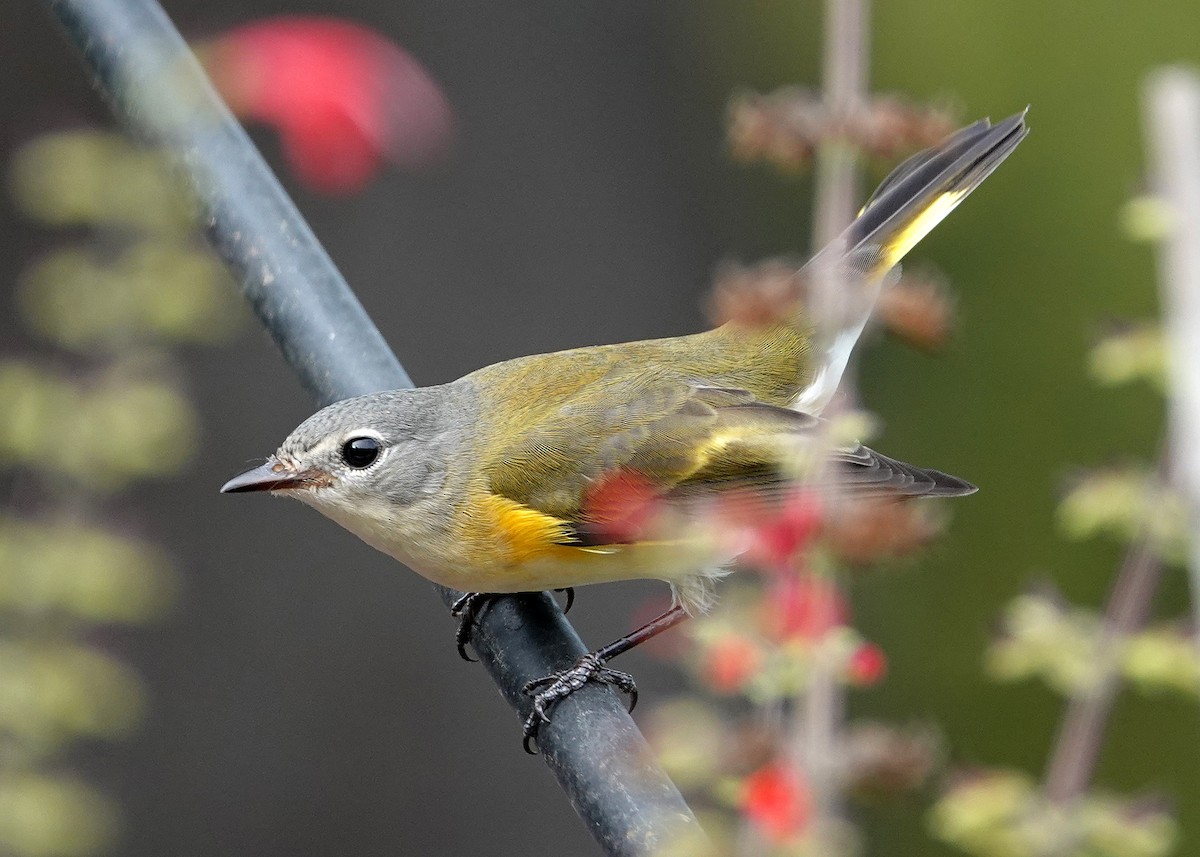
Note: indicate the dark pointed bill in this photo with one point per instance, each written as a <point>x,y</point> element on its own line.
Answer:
<point>266,477</point>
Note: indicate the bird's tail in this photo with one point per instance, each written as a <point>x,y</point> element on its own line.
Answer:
<point>911,201</point>
<point>918,194</point>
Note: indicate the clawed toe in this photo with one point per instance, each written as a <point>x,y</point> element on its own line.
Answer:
<point>470,605</point>
<point>466,609</point>
<point>549,690</point>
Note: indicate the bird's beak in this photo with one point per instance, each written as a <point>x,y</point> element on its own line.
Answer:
<point>271,476</point>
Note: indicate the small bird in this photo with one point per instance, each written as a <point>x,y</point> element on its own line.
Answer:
<point>495,483</point>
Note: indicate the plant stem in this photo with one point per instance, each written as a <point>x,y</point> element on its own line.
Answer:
<point>817,720</point>
<point>844,74</point>
<point>1081,733</point>
<point>1172,111</point>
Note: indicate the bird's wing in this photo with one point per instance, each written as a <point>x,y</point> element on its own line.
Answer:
<point>679,439</point>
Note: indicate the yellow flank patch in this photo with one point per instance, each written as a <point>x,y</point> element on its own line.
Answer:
<point>522,533</point>
<point>920,226</point>
<point>704,452</point>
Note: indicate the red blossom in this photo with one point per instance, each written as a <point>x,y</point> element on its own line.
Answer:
<point>804,606</point>
<point>342,97</point>
<point>777,801</point>
<point>867,665</point>
<point>777,536</point>
<point>621,505</point>
<point>730,662</point>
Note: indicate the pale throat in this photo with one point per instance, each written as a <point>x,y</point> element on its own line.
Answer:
<point>388,528</point>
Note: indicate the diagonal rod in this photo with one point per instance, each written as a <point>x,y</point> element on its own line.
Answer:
<point>143,67</point>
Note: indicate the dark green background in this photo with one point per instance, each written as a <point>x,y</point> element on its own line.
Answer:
<point>1041,266</point>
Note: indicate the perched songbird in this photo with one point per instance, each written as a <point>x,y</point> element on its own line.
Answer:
<point>490,484</point>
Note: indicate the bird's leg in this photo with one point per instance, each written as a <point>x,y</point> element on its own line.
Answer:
<point>549,690</point>
<point>468,607</point>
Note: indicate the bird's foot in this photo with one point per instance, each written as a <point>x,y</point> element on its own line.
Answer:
<point>468,607</point>
<point>465,610</point>
<point>548,691</point>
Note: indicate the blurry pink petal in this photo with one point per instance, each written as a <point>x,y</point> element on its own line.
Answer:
<point>804,606</point>
<point>730,662</point>
<point>777,800</point>
<point>867,665</point>
<point>794,527</point>
<point>621,506</point>
<point>342,97</point>
<point>772,535</point>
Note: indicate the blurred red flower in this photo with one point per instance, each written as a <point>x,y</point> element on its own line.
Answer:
<point>622,506</point>
<point>777,801</point>
<point>730,662</point>
<point>867,665</point>
<point>342,97</point>
<point>777,535</point>
<point>804,606</point>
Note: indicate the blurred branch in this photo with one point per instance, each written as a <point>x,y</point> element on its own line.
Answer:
<point>1172,116</point>
<point>144,68</point>
<point>844,87</point>
<point>1081,733</point>
<point>1172,105</point>
<point>818,721</point>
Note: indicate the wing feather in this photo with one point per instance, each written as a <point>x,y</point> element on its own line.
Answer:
<point>685,439</point>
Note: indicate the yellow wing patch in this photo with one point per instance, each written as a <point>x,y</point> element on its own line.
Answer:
<point>514,548</point>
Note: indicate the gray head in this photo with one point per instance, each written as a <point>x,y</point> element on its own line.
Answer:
<point>371,456</point>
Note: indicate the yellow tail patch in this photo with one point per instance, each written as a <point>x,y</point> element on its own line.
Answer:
<point>907,237</point>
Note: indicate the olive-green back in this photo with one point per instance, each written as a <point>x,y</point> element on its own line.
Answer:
<point>674,410</point>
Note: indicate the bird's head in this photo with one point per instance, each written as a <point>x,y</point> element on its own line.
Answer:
<point>364,461</point>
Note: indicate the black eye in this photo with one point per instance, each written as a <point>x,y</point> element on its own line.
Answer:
<point>360,452</point>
